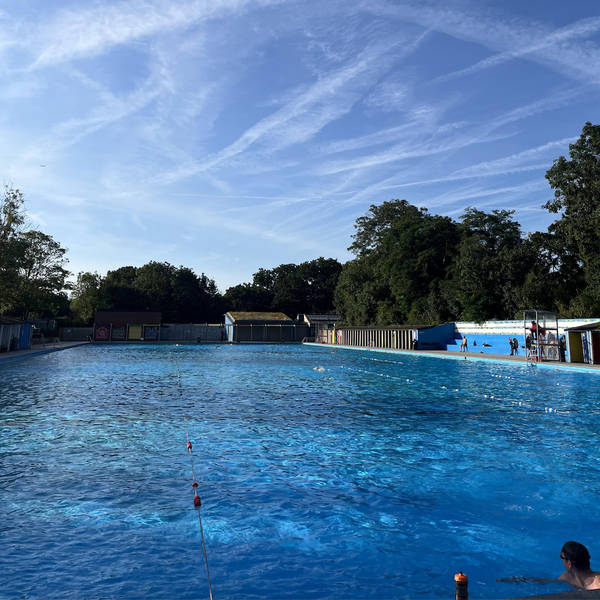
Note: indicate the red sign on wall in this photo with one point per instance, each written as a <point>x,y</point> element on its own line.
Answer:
<point>102,333</point>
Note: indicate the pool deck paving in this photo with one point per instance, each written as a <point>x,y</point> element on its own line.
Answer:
<point>569,595</point>
<point>475,356</point>
<point>39,349</point>
<point>506,357</point>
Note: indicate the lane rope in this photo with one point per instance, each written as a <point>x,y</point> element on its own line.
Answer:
<point>197,499</point>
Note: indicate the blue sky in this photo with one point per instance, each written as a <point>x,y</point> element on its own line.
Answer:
<point>229,135</point>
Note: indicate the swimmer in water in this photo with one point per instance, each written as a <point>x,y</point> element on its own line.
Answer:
<point>576,559</point>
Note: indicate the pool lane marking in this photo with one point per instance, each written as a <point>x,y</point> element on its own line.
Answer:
<point>197,499</point>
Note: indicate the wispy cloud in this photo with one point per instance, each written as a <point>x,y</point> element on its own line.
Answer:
<point>464,196</point>
<point>556,50</point>
<point>78,33</point>
<point>517,161</point>
<point>407,150</point>
<point>71,131</point>
<point>326,100</point>
<point>280,121</point>
<point>579,29</point>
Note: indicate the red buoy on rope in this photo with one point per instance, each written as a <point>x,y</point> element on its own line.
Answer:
<point>189,446</point>
<point>197,501</point>
<point>461,583</point>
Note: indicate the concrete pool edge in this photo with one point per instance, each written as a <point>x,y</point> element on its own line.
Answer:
<point>21,354</point>
<point>449,355</point>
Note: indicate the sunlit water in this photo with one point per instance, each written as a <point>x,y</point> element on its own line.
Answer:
<point>323,473</point>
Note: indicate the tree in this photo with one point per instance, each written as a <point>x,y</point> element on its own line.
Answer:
<point>576,184</point>
<point>11,245</point>
<point>118,291</point>
<point>554,273</point>
<point>32,264</point>
<point>490,266</point>
<point>154,283</point>
<point>41,273</point>
<point>86,296</point>
<point>360,297</point>
<point>402,255</point>
<point>320,277</point>
<point>211,302</point>
<point>247,297</point>
<point>292,289</point>
<point>377,223</point>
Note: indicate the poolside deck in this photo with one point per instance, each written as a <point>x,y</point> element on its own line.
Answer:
<point>504,357</point>
<point>456,355</point>
<point>570,595</point>
<point>38,349</point>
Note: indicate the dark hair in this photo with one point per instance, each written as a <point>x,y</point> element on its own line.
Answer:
<point>578,554</point>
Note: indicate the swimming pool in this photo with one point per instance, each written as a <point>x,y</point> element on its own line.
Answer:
<point>324,473</point>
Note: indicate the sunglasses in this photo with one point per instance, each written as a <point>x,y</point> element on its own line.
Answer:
<point>563,557</point>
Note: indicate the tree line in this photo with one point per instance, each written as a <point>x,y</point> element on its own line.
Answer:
<point>414,267</point>
<point>409,266</point>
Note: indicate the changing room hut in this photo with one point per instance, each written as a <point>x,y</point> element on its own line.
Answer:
<point>270,327</point>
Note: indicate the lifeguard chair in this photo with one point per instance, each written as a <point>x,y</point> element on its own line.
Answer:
<point>542,326</point>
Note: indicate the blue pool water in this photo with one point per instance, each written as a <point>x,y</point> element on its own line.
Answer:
<point>323,473</point>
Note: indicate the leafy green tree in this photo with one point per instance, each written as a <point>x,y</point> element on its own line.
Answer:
<point>490,265</point>
<point>247,297</point>
<point>42,275</point>
<point>554,274</point>
<point>186,296</point>
<point>86,297</point>
<point>211,302</point>
<point>177,292</point>
<point>154,282</point>
<point>360,297</point>
<point>289,290</point>
<point>576,184</point>
<point>11,245</point>
<point>320,277</point>
<point>118,291</point>
<point>402,255</point>
<point>293,289</point>
<point>32,264</point>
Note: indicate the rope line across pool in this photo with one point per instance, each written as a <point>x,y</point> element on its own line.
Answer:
<point>197,500</point>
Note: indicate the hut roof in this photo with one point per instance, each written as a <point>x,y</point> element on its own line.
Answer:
<point>323,317</point>
<point>258,316</point>
<point>586,327</point>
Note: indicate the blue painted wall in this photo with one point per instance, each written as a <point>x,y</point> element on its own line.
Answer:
<point>25,337</point>
<point>446,337</point>
<point>436,338</point>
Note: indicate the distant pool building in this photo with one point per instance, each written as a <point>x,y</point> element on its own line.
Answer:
<point>273,327</point>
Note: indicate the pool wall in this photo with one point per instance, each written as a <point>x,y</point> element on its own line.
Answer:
<point>470,356</point>
<point>34,351</point>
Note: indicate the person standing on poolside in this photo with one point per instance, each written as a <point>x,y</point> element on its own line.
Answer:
<point>562,348</point>
<point>528,341</point>
<point>576,559</point>
<point>464,346</point>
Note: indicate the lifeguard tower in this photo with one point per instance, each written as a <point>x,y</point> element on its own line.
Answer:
<point>542,327</point>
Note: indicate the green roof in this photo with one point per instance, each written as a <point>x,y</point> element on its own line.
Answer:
<point>258,316</point>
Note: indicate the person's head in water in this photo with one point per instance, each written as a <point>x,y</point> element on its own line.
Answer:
<point>576,561</point>
<point>577,554</point>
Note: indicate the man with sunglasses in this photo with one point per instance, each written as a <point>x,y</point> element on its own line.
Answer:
<point>576,559</point>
